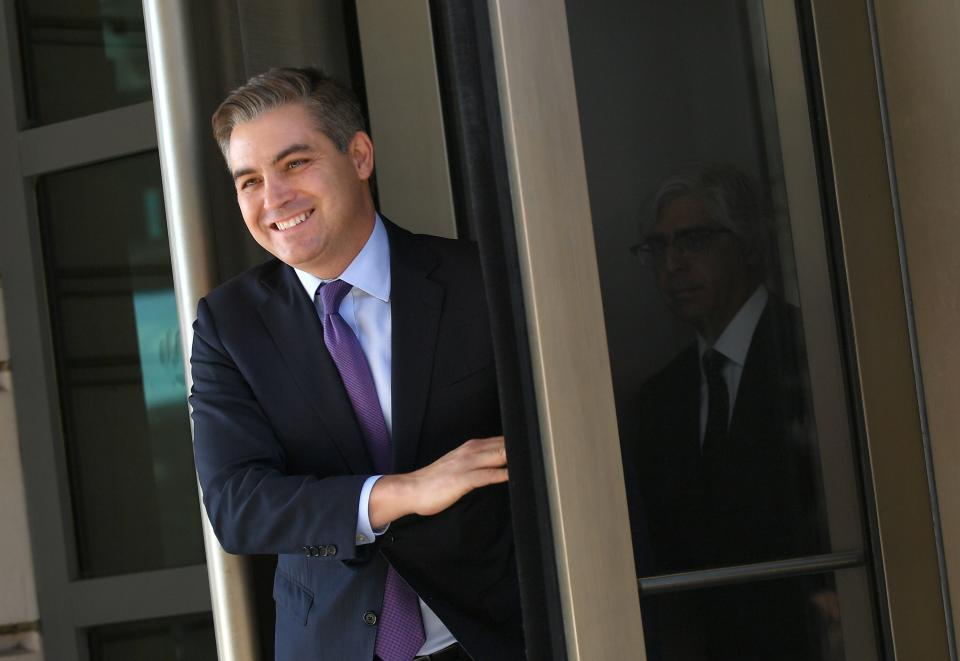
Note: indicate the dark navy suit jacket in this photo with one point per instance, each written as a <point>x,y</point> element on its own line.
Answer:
<point>756,499</point>
<point>281,459</point>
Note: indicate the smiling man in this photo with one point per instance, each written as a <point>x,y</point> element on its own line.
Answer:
<point>725,453</point>
<point>344,401</point>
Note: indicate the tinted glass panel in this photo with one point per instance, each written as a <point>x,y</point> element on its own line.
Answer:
<point>710,236</point>
<point>120,370</point>
<point>188,638</point>
<point>104,43</point>
<point>794,619</point>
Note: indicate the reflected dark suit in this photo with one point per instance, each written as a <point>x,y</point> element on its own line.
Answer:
<point>281,458</point>
<point>752,500</point>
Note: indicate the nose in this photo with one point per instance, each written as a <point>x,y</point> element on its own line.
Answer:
<point>674,258</point>
<point>277,192</point>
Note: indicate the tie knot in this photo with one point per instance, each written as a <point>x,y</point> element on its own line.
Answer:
<point>331,295</point>
<point>713,362</point>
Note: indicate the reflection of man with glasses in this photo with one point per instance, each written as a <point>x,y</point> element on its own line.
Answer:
<point>723,457</point>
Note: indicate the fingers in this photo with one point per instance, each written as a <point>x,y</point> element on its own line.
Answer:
<point>484,452</point>
<point>489,476</point>
<point>477,463</point>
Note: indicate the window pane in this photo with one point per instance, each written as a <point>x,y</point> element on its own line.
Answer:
<point>807,618</point>
<point>695,237</point>
<point>104,43</point>
<point>720,315</point>
<point>123,395</point>
<point>188,638</point>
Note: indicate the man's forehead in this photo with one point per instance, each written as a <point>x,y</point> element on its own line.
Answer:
<point>680,213</point>
<point>271,132</point>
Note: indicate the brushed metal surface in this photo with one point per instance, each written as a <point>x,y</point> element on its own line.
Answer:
<point>923,103</point>
<point>406,121</point>
<point>178,138</point>
<point>567,337</point>
<point>908,545</point>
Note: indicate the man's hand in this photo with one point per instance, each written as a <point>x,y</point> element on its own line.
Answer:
<point>432,489</point>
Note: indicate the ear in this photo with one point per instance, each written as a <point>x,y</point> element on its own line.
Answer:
<point>360,151</point>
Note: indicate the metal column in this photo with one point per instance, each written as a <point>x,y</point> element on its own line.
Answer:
<point>178,136</point>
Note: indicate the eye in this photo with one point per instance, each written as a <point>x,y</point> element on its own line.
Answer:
<point>247,183</point>
<point>654,246</point>
<point>296,163</point>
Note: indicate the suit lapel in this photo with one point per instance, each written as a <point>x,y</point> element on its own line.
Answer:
<point>415,306</point>
<point>293,324</point>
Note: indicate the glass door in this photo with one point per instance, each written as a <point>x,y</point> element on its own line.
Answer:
<point>689,238</point>
<point>718,308</point>
<point>101,406</point>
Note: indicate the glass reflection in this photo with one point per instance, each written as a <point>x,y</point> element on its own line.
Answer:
<point>729,392</point>
<point>185,638</point>
<point>796,619</point>
<point>724,449</point>
<point>119,368</point>
<point>105,45</point>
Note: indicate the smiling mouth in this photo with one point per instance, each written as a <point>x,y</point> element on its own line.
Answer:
<point>292,222</point>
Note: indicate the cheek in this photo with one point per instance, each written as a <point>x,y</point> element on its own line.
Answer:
<point>710,279</point>
<point>660,276</point>
<point>705,269</point>
<point>250,224</point>
<point>248,211</point>
<point>725,268</point>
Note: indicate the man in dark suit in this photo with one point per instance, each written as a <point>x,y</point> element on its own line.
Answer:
<point>336,388</point>
<point>725,457</point>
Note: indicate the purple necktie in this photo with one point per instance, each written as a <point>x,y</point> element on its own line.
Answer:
<point>400,634</point>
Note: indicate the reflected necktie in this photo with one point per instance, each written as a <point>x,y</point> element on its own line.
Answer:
<point>718,401</point>
<point>400,634</point>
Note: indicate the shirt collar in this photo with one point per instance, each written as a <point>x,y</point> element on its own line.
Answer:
<point>369,271</point>
<point>734,341</point>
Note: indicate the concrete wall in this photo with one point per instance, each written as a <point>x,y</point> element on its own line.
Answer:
<point>920,50</point>
<point>19,639</point>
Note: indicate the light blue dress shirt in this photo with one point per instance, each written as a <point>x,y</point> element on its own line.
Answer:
<point>734,343</point>
<point>366,309</point>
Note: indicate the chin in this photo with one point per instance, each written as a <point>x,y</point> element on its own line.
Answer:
<point>688,313</point>
<point>295,254</point>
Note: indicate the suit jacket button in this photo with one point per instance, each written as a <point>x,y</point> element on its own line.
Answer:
<point>331,549</point>
<point>306,551</point>
<point>370,618</point>
<point>314,551</point>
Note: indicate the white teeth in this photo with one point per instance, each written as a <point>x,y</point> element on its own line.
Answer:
<point>287,224</point>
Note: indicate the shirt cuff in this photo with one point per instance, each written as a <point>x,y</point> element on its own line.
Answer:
<point>365,532</point>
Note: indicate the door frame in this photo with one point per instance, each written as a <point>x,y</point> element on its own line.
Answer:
<point>568,345</point>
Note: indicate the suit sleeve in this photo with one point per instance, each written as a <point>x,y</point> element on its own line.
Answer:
<point>255,505</point>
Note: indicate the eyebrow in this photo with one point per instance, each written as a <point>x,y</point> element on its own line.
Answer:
<point>282,154</point>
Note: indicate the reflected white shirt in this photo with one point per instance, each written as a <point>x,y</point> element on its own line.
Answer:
<point>366,309</point>
<point>734,343</point>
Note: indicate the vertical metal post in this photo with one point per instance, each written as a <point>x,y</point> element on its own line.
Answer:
<point>558,262</point>
<point>178,136</point>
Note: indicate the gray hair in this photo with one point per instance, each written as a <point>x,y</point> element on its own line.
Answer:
<point>730,198</point>
<point>334,108</point>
